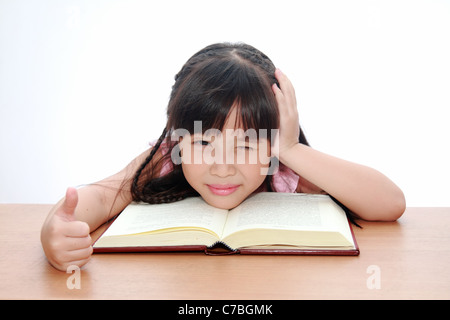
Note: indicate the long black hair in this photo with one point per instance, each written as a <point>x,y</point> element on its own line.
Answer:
<point>210,83</point>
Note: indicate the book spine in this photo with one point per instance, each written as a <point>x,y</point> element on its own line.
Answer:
<point>220,248</point>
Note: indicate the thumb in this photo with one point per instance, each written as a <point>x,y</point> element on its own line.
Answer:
<point>67,209</point>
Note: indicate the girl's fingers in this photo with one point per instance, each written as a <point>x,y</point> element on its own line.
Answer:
<point>75,257</point>
<point>287,106</point>
<point>71,244</point>
<point>278,95</point>
<point>76,229</point>
<point>67,209</point>
<point>79,263</point>
<point>78,243</point>
<point>80,254</point>
<point>286,91</point>
<point>285,83</point>
<point>78,257</point>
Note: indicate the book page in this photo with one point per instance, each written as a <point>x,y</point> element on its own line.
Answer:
<point>190,212</point>
<point>284,211</point>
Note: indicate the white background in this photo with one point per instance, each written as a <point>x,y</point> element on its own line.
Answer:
<point>84,84</point>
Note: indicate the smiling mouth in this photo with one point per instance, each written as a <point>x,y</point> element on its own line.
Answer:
<point>223,189</point>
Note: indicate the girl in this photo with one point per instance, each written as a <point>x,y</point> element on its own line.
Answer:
<point>222,87</point>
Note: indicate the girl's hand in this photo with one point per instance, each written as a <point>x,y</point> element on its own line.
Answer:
<point>289,123</point>
<point>65,240</point>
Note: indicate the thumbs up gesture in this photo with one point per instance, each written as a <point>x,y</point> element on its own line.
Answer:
<point>66,241</point>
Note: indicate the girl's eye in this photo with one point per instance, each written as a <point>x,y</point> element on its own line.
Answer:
<point>201,142</point>
<point>247,148</point>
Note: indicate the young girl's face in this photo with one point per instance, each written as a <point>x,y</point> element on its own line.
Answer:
<point>226,166</point>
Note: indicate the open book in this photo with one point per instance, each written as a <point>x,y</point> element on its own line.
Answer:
<point>265,223</point>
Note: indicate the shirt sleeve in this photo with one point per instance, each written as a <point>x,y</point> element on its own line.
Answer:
<point>285,180</point>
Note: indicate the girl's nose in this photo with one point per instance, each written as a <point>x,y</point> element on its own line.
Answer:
<point>223,159</point>
<point>222,169</point>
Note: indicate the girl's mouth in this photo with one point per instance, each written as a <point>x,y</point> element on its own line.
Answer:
<point>223,189</point>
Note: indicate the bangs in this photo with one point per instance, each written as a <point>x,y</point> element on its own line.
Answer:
<point>215,88</point>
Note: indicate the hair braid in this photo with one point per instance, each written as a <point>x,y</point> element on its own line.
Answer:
<point>241,51</point>
<point>256,58</point>
<point>136,191</point>
<point>170,188</point>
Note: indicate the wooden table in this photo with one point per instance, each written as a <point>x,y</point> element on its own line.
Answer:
<point>407,259</point>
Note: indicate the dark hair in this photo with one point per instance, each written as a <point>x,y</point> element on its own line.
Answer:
<point>211,82</point>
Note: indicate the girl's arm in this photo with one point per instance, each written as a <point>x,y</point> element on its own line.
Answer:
<point>98,202</point>
<point>366,192</point>
<point>65,234</point>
